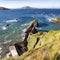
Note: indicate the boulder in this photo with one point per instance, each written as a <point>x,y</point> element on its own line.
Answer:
<point>13,51</point>
<point>20,47</point>
<point>33,24</point>
<point>56,20</point>
<point>31,30</point>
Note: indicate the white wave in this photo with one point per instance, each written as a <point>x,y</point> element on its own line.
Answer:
<point>0,50</point>
<point>46,16</point>
<point>5,42</point>
<point>50,19</point>
<point>23,36</point>
<point>11,21</point>
<point>38,28</point>
<point>24,30</point>
<point>4,28</point>
<point>53,15</point>
<point>24,25</point>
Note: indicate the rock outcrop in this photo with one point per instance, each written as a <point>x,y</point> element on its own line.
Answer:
<point>31,30</point>
<point>56,20</point>
<point>21,47</point>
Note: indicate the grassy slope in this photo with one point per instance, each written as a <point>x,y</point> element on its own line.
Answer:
<point>47,47</point>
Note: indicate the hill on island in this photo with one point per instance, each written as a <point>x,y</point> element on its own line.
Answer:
<point>3,8</point>
<point>28,7</point>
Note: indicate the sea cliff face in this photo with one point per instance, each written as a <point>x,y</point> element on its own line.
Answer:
<point>42,46</point>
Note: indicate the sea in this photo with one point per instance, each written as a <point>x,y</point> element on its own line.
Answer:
<point>14,22</point>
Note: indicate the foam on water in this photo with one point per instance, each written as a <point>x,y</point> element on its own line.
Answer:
<point>39,28</point>
<point>23,36</point>
<point>4,28</point>
<point>49,19</point>
<point>9,21</point>
<point>24,30</point>
<point>23,24</point>
<point>5,42</point>
<point>26,24</point>
<point>0,50</point>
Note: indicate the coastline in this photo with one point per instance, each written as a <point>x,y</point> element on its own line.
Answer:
<point>32,42</point>
<point>15,31</point>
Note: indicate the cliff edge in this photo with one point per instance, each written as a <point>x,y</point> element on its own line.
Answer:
<point>42,46</point>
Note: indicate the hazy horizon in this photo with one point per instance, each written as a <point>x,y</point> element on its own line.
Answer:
<point>32,3</point>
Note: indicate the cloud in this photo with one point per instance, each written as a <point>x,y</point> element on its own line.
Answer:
<point>13,0</point>
<point>32,3</point>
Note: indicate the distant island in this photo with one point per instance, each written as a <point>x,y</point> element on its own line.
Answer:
<point>28,7</point>
<point>3,8</point>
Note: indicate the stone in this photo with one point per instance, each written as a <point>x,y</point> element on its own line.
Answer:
<point>56,20</point>
<point>33,24</point>
<point>13,51</point>
<point>31,29</point>
<point>20,47</point>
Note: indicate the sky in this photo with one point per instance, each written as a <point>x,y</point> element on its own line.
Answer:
<point>33,3</point>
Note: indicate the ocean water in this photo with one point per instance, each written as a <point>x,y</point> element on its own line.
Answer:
<point>12,30</point>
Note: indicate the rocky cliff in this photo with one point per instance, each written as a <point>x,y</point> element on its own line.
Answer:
<point>42,46</point>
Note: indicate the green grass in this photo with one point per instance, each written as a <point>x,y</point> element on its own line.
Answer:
<point>47,48</point>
